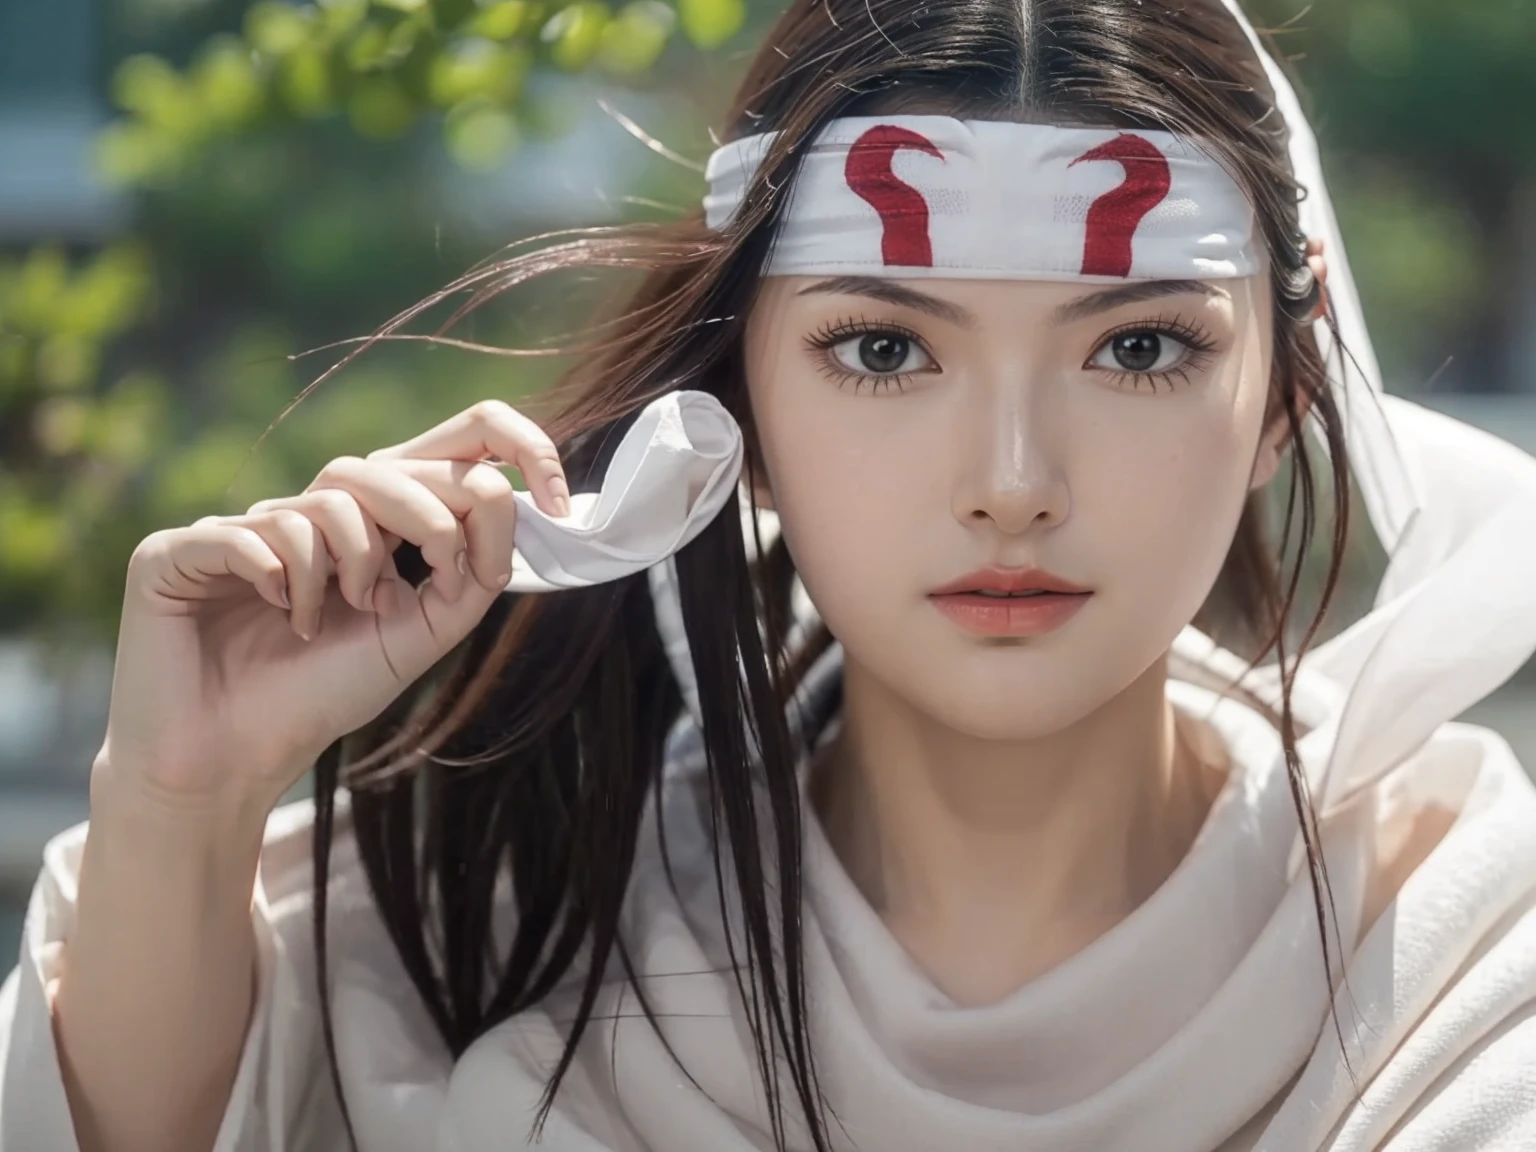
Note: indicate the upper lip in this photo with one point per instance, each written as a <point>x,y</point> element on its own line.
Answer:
<point>1009,580</point>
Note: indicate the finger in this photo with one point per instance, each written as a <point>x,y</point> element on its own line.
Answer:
<point>404,506</point>
<point>214,549</point>
<point>493,428</point>
<point>307,564</point>
<point>353,540</point>
<point>481,496</point>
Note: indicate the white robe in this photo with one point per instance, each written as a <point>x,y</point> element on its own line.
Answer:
<point>1198,1024</point>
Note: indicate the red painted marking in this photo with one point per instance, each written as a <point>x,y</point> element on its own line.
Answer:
<point>1115,216</point>
<point>903,211</point>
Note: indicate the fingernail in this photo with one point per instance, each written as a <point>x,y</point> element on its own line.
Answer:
<point>463,567</point>
<point>503,580</point>
<point>562,506</point>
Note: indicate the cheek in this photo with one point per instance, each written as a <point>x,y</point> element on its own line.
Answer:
<point>845,471</point>
<point>1165,492</point>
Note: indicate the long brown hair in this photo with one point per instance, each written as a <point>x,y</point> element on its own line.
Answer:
<point>524,761</point>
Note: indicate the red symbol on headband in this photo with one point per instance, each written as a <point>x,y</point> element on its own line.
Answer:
<point>903,211</point>
<point>1115,216</point>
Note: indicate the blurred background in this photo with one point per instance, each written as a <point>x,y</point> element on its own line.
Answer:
<point>192,192</point>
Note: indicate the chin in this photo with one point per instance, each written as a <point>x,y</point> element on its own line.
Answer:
<point>1016,709</point>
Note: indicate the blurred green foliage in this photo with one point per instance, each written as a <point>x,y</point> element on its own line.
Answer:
<point>287,178</point>
<point>1422,107</point>
<point>383,65</point>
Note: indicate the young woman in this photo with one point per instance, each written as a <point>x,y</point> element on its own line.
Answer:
<point>909,810</point>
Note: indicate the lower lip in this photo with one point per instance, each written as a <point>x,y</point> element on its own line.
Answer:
<point>1013,616</point>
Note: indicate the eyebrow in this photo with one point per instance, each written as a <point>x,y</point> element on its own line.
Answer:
<point>1137,293</point>
<point>891,292</point>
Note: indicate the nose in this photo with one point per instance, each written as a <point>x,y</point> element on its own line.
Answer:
<point>1010,474</point>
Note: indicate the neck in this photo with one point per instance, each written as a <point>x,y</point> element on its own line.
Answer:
<point>993,862</point>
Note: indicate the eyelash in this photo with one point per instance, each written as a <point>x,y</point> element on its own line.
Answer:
<point>1195,339</point>
<point>823,340</point>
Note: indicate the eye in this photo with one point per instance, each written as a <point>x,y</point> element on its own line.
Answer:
<point>1145,352</point>
<point>1154,352</point>
<point>880,354</point>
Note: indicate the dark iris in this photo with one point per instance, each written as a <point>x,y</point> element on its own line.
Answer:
<point>882,353</point>
<point>1137,351</point>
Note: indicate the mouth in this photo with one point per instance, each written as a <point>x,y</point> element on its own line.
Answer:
<point>998,602</point>
<point>1011,583</point>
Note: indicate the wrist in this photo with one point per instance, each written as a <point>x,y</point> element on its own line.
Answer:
<point>124,802</point>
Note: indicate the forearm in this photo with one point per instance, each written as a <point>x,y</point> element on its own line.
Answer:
<point>157,978</point>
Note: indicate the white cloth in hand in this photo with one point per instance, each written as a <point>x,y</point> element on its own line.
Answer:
<point>675,469</point>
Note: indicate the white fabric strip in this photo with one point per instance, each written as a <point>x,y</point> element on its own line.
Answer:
<point>920,196</point>
<point>676,467</point>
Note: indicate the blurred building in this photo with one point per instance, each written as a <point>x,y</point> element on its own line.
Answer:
<point>49,113</point>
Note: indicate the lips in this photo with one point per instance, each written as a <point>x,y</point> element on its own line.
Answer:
<point>1010,582</point>
<point>1017,603</point>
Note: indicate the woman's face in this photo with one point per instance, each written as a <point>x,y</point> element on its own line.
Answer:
<point>917,431</point>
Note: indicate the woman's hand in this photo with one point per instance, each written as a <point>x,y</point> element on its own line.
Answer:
<point>219,699</point>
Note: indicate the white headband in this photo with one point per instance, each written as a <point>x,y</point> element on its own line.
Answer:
<point>916,196</point>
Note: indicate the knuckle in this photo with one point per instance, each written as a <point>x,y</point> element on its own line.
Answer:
<point>247,539</point>
<point>289,520</point>
<point>339,468</point>
<point>331,502</point>
<point>487,483</point>
<point>544,454</point>
<point>151,548</point>
<point>491,409</point>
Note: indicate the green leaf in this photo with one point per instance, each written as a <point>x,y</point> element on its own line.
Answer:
<point>143,83</point>
<point>367,49</point>
<point>38,290</point>
<point>575,33</point>
<point>477,68</point>
<point>478,134</point>
<point>404,37</point>
<point>376,47</point>
<point>33,533</point>
<point>150,87</point>
<point>226,82</point>
<point>339,17</point>
<point>500,21</point>
<point>193,480</point>
<point>133,153</point>
<point>710,23</point>
<point>306,84</point>
<point>128,425</point>
<point>635,39</point>
<point>66,362</point>
<point>402,5</point>
<point>276,28</point>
